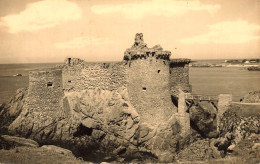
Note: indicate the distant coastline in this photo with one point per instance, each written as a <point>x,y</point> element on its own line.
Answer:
<point>253,64</point>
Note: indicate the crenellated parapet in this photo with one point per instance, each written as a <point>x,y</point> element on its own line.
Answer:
<point>131,54</point>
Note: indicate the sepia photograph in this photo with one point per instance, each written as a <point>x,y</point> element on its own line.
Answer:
<point>129,81</point>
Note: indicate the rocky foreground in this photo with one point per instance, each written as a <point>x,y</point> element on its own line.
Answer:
<point>113,133</point>
<point>21,150</point>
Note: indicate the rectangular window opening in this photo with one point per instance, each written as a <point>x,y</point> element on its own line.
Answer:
<point>49,84</point>
<point>144,88</point>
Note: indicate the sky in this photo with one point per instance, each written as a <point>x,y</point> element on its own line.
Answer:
<point>40,31</point>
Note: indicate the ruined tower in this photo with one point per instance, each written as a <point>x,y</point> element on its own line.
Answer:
<point>45,90</point>
<point>149,81</point>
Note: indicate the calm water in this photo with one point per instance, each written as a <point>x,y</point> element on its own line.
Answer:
<point>13,69</point>
<point>219,80</point>
<point>10,83</point>
<point>209,81</point>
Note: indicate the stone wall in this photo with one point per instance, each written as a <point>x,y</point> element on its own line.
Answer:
<point>45,90</point>
<point>183,116</point>
<point>106,76</point>
<point>149,89</point>
<point>179,75</point>
<point>224,101</point>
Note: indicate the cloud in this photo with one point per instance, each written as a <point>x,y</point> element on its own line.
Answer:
<point>42,14</point>
<point>81,42</point>
<point>165,8</point>
<point>228,32</point>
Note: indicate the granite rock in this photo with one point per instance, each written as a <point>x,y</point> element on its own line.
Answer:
<point>13,141</point>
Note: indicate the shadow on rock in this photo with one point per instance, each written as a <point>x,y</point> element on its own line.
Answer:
<point>203,119</point>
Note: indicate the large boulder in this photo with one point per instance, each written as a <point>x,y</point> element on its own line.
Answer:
<point>7,142</point>
<point>168,140</point>
<point>203,119</point>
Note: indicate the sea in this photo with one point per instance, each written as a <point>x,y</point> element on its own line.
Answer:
<point>237,81</point>
<point>9,82</point>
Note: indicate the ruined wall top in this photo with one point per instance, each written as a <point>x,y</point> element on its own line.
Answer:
<point>73,61</point>
<point>181,60</point>
<point>140,50</point>
<point>139,42</point>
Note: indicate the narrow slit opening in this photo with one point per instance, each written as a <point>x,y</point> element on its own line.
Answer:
<point>49,84</point>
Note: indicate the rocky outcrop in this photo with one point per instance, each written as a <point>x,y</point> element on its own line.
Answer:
<point>247,149</point>
<point>207,149</point>
<point>252,97</point>
<point>101,124</point>
<point>236,126</point>
<point>239,123</point>
<point>9,111</point>
<point>200,150</point>
<point>90,109</point>
<point>93,120</point>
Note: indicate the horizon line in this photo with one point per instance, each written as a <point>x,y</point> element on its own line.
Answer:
<point>60,62</point>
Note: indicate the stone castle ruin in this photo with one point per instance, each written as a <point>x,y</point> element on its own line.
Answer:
<point>138,103</point>
<point>151,78</point>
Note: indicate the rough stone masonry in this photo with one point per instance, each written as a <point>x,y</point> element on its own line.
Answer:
<point>127,103</point>
<point>152,80</point>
